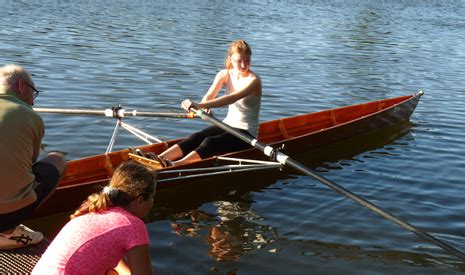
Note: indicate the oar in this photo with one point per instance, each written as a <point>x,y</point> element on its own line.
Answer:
<point>286,160</point>
<point>116,112</point>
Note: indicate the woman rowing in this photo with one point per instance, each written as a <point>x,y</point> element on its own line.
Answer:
<point>243,97</point>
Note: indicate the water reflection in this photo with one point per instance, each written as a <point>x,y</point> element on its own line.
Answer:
<point>232,231</point>
<point>336,155</point>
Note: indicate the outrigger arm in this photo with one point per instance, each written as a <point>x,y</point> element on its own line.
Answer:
<point>118,112</point>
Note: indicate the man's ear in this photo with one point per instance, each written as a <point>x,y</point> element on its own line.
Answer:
<point>21,87</point>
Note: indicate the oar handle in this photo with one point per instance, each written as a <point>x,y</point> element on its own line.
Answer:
<point>285,160</point>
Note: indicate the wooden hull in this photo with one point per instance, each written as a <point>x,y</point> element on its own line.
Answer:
<point>299,134</point>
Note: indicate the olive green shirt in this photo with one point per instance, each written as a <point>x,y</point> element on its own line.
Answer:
<point>21,132</point>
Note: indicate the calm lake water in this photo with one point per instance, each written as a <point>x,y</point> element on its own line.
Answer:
<point>311,55</point>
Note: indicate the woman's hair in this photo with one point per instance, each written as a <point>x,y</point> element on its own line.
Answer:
<point>238,46</point>
<point>129,181</point>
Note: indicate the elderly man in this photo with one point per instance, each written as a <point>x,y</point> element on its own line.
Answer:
<point>24,182</point>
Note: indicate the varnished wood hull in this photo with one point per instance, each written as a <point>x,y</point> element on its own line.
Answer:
<point>299,134</point>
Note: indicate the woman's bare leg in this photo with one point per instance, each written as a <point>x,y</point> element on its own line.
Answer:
<point>192,156</point>
<point>173,153</point>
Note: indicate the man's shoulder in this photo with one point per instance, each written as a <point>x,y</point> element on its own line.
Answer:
<point>12,103</point>
<point>10,108</point>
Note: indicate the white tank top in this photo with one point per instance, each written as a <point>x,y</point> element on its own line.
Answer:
<point>244,114</point>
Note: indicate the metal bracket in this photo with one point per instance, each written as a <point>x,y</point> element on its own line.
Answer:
<point>133,130</point>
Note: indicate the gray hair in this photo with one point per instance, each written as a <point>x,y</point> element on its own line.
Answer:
<point>10,75</point>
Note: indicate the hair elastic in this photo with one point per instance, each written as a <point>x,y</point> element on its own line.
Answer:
<point>108,190</point>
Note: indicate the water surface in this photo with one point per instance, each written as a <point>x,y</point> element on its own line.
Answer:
<point>311,55</point>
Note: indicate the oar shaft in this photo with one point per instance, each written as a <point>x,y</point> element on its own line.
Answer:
<point>158,114</point>
<point>70,111</point>
<point>286,160</point>
<point>112,113</point>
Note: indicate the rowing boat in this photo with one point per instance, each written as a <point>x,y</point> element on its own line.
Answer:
<point>298,134</point>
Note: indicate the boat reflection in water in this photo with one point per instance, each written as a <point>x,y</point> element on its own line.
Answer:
<point>230,232</point>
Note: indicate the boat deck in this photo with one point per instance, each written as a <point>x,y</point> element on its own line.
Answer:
<point>21,260</point>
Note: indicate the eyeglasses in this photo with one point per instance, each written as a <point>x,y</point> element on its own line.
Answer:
<point>245,61</point>
<point>36,92</point>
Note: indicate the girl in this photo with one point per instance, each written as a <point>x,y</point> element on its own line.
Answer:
<point>243,95</point>
<point>105,228</point>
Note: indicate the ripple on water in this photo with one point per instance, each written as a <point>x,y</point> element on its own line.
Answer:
<point>311,56</point>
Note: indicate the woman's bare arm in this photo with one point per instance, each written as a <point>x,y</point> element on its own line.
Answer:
<point>139,260</point>
<point>254,86</point>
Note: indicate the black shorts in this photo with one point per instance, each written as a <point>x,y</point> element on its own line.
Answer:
<point>47,177</point>
<point>213,141</point>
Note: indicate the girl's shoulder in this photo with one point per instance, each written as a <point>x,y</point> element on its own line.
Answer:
<point>254,75</point>
<point>121,212</point>
<point>110,216</point>
<point>222,76</point>
<point>227,73</point>
<point>223,73</point>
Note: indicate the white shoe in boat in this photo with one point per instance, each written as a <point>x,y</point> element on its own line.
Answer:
<point>22,236</point>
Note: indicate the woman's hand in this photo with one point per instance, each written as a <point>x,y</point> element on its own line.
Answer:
<point>187,104</point>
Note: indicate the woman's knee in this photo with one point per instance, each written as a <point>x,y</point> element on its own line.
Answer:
<point>209,147</point>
